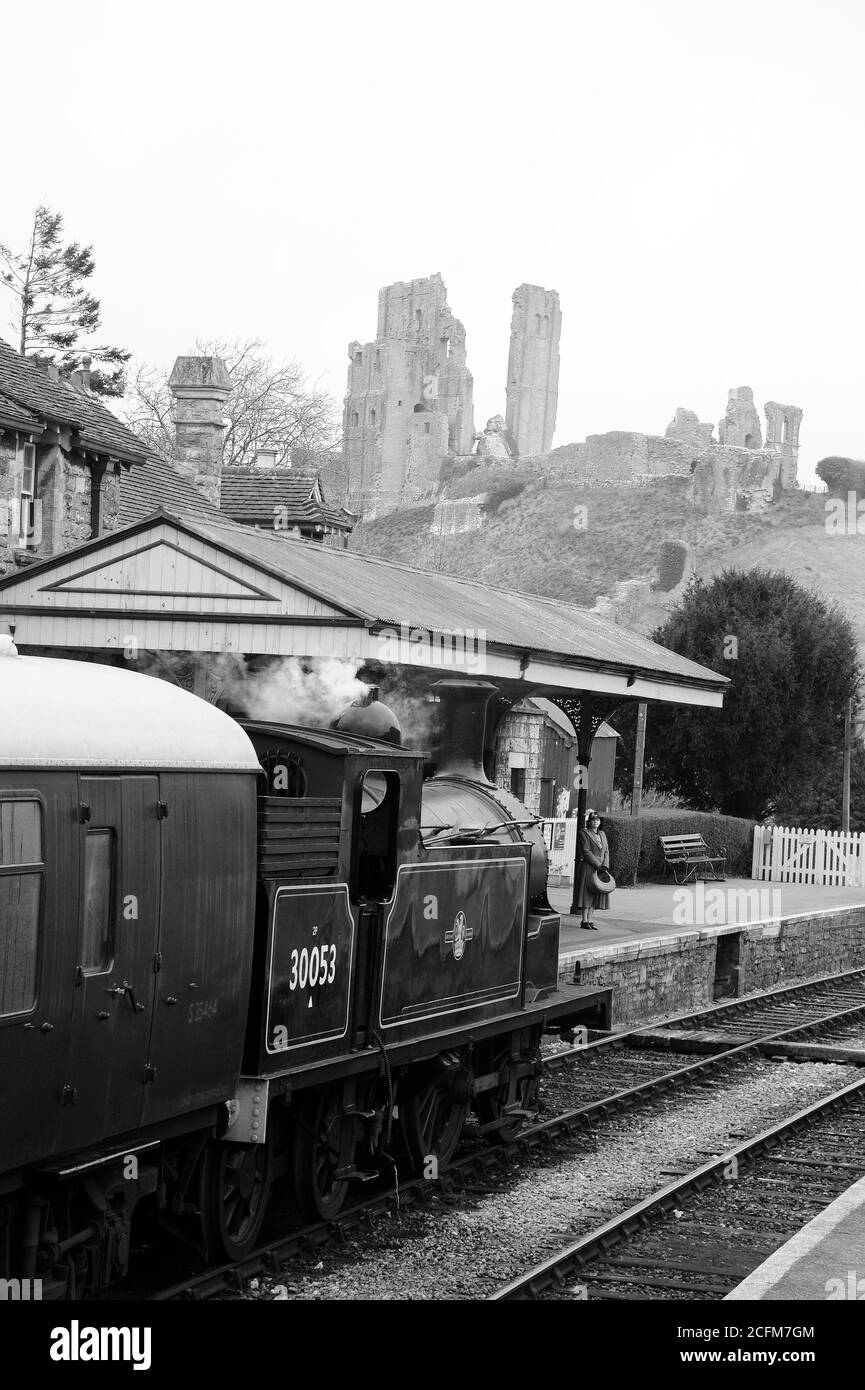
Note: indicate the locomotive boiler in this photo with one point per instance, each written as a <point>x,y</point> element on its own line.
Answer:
<point>235,953</point>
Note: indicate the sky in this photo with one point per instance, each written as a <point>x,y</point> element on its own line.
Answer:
<point>688,174</point>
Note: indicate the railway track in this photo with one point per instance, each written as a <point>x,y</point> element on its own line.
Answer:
<point>702,1233</point>
<point>611,1074</point>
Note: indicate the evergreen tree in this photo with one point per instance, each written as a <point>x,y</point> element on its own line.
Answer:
<point>792,661</point>
<point>55,312</point>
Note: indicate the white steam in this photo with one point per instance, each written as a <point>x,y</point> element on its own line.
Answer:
<point>310,692</point>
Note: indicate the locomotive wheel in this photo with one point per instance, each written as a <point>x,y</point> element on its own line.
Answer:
<point>324,1142</point>
<point>490,1105</point>
<point>234,1192</point>
<point>431,1120</point>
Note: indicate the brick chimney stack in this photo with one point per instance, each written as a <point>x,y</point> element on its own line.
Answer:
<point>200,387</point>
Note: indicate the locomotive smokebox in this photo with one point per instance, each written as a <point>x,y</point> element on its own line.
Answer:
<point>463,722</point>
<point>367,717</point>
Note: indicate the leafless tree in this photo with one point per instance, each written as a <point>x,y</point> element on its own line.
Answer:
<point>271,406</point>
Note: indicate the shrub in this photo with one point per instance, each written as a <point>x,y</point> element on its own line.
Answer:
<point>732,833</point>
<point>505,490</point>
<point>634,848</point>
<point>671,564</point>
<point>842,475</point>
<point>623,837</point>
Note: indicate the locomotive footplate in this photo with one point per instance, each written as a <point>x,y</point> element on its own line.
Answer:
<point>567,1008</point>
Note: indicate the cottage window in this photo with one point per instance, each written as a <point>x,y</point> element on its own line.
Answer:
<point>27,504</point>
<point>21,873</point>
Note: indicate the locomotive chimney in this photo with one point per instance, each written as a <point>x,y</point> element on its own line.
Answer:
<point>463,722</point>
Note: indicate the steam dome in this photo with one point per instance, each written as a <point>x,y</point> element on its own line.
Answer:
<point>369,718</point>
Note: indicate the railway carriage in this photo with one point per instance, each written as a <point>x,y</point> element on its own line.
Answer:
<point>230,954</point>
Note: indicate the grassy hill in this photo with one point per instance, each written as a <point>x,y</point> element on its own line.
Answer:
<point>528,539</point>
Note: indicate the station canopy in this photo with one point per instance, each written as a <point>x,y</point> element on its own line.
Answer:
<point>178,582</point>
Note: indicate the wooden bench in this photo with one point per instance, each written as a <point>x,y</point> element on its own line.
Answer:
<point>687,853</point>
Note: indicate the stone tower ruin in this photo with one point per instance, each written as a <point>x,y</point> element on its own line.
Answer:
<point>782,434</point>
<point>409,400</point>
<point>533,369</point>
<point>741,424</point>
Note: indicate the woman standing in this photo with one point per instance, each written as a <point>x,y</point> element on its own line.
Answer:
<point>594,852</point>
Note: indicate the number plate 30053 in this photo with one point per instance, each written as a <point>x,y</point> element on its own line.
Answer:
<point>312,935</point>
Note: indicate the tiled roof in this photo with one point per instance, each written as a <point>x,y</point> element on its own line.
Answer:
<point>257,497</point>
<point>246,493</point>
<point>156,484</point>
<point>380,591</point>
<point>25,383</point>
<point>16,417</point>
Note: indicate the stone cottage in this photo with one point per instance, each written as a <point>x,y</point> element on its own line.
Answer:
<point>62,459</point>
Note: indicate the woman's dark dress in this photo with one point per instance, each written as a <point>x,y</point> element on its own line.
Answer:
<point>594,851</point>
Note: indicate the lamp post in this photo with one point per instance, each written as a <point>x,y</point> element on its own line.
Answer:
<point>851,730</point>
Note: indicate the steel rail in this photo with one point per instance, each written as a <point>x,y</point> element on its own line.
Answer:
<point>267,1259</point>
<point>574,1256</point>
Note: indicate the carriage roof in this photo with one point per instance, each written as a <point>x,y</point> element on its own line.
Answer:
<point>56,713</point>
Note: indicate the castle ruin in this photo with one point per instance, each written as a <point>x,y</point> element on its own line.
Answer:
<point>533,369</point>
<point>409,410</point>
<point>409,401</point>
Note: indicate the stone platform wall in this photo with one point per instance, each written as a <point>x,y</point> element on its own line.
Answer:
<point>654,979</point>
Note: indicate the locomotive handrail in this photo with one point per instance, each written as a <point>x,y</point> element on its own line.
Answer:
<point>479,830</point>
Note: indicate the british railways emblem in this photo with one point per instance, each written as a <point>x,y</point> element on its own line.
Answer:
<point>461,933</point>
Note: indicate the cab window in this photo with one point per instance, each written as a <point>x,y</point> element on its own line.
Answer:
<point>375,837</point>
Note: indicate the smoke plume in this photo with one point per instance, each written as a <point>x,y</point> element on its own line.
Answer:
<point>295,691</point>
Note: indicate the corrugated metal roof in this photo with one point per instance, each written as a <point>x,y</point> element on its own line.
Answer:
<point>22,380</point>
<point>382,592</point>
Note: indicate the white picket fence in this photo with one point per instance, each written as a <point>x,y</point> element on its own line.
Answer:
<point>560,836</point>
<point>785,854</point>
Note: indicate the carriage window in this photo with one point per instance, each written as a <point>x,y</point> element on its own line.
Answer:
<point>20,895</point>
<point>376,824</point>
<point>97,946</point>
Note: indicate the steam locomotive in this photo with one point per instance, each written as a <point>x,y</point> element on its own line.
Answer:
<point>235,953</point>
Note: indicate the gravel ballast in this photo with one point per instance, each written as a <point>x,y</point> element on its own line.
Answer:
<point>467,1249</point>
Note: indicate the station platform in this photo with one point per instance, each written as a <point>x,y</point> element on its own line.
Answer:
<point>666,949</point>
<point>824,1261</point>
<point>654,910</point>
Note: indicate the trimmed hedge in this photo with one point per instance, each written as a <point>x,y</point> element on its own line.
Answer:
<point>624,837</point>
<point>634,847</point>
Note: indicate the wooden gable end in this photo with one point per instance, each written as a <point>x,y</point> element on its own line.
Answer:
<point>171,590</point>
